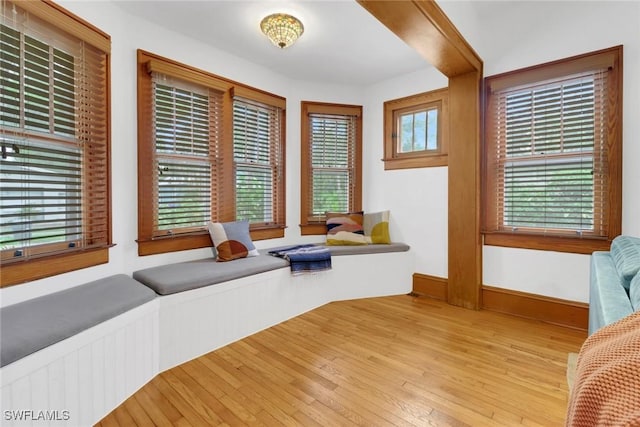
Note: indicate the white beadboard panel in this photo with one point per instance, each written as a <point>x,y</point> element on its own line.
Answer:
<point>56,373</point>
<point>21,398</point>
<point>5,403</point>
<point>110,399</point>
<point>98,378</point>
<point>38,383</point>
<point>120,372</point>
<point>130,363</point>
<point>72,387</point>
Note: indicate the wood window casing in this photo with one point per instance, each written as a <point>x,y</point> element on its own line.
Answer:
<point>509,174</point>
<point>219,158</point>
<point>345,148</point>
<point>393,109</point>
<point>55,133</point>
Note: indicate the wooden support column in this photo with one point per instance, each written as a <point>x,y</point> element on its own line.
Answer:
<point>465,244</point>
<point>425,27</point>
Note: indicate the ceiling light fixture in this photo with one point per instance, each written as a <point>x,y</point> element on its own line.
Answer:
<point>282,29</point>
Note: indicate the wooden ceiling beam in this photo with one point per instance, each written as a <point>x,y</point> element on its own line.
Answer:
<point>426,28</point>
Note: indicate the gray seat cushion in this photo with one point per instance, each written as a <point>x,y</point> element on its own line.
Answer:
<point>184,276</point>
<point>32,325</point>
<point>368,249</point>
<point>338,250</point>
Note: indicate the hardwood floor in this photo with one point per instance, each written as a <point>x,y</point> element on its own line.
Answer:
<point>401,360</point>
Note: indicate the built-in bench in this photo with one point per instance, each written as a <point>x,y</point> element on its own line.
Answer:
<point>185,276</point>
<point>76,354</point>
<point>86,349</point>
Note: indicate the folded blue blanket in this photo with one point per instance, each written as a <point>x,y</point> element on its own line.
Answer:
<point>307,258</point>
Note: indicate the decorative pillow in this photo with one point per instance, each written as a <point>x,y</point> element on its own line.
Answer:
<point>232,240</point>
<point>625,251</point>
<point>376,227</point>
<point>345,229</point>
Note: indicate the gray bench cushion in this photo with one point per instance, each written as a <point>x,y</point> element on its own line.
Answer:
<point>184,276</point>
<point>368,249</point>
<point>338,250</point>
<point>32,325</point>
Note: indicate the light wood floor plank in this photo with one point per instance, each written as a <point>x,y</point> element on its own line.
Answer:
<point>393,361</point>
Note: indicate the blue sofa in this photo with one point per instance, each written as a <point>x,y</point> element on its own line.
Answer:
<point>614,289</point>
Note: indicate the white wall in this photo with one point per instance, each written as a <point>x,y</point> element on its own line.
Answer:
<point>417,198</point>
<point>548,31</point>
<point>128,34</point>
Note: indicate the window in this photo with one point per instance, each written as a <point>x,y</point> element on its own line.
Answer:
<point>331,162</point>
<point>185,142</point>
<point>416,130</point>
<point>209,150</point>
<point>54,141</point>
<point>553,154</point>
<point>257,158</point>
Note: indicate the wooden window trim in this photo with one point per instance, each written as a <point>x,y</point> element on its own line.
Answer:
<point>40,268</point>
<point>277,155</point>
<point>392,159</point>
<point>611,58</point>
<point>147,243</point>
<point>43,266</point>
<point>308,107</point>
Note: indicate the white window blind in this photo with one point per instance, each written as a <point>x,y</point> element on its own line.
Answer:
<point>333,162</point>
<point>551,156</point>
<point>257,161</point>
<point>53,139</point>
<point>185,128</point>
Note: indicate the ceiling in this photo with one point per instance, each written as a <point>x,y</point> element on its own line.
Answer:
<point>342,43</point>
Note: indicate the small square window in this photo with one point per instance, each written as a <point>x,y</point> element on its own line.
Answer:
<point>415,131</point>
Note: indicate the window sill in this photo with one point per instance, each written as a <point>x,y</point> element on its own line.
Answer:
<point>547,243</point>
<point>433,160</point>
<point>313,229</point>
<point>39,268</point>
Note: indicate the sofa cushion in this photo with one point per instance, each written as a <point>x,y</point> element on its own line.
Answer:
<point>634,292</point>
<point>608,299</point>
<point>625,251</point>
<point>183,276</point>
<point>32,325</point>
